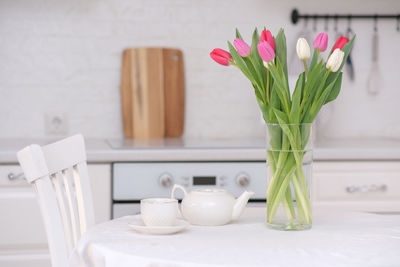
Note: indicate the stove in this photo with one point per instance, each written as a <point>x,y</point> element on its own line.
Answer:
<point>133,181</point>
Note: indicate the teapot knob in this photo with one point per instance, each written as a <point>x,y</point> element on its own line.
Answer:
<point>166,180</point>
<point>243,179</point>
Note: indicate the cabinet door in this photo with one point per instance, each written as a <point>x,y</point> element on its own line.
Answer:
<point>100,181</point>
<point>368,185</point>
<point>23,240</point>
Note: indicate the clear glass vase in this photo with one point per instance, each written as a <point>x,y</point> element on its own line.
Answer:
<point>289,170</point>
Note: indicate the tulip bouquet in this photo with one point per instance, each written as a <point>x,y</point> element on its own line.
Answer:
<point>288,116</point>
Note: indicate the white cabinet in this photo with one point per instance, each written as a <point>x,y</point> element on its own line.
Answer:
<point>23,239</point>
<point>363,185</point>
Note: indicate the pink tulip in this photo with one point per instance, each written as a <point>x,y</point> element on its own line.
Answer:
<point>242,48</point>
<point>221,56</point>
<point>266,51</point>
<point>321,42</point>
<point>267,36</point>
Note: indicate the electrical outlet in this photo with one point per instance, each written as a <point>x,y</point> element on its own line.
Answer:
<point>56,123</point>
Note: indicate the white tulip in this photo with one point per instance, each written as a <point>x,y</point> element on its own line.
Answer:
<point>335,60</point>
<point>303,49</point>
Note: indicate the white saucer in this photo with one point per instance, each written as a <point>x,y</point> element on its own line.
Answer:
<point>139,226</point>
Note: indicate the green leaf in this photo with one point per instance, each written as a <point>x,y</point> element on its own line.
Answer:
<point>281,116</point>
<point>314,59</point>
<point>253,71</point>
<point>281,51</point>
<point>335,90</point>
<point>280,86</point>
<point>318,103</point>
<point>263,107</point>
<point>275,134</point>
<point>238,35</point>
<point>257,61</point>
<point>283,121</point>
<point>274,103</point>
<point>295,109</point>
<point>313,76</point>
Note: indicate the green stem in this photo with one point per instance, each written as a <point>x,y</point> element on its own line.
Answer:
<point>268,97</point>
<point>275,180</point>
<point>280,190</point>
<point>301,200</point>
<point>305,68</point>
<point>288,200</point>
<point>288,204</point>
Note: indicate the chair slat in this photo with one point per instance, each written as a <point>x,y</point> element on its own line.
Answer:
<point>52,222</point>
<point>79,197</point>
<point>71,204</point>
<point>84,194</point>
<point>63,210</point>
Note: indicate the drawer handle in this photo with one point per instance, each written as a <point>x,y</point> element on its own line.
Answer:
<point>366,188</point>
<point>12,176</point>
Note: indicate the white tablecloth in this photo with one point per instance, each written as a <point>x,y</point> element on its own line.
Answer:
<point>338,238</point>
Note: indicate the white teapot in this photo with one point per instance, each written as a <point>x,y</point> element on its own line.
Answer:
<point>211,207</point>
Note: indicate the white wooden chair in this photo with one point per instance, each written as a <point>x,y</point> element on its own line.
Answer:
<point>58,172</point>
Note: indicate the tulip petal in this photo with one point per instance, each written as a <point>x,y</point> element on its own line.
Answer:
<point>242,48</point>
<point>340,43</point>
<point>267,36</point>
<point>221,56</point>
<point>321,42</point>
<point>265,51</point>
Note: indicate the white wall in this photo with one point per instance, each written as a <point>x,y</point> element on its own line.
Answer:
<point>65,57</point>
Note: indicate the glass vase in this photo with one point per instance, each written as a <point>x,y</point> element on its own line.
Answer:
<point>289,170</point>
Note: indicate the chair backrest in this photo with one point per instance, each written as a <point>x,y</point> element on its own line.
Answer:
<point>58,172</point>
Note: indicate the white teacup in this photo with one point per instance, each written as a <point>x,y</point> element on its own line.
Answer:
<point>159,211</point>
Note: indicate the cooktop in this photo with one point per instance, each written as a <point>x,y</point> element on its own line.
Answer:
<point>182,143</point>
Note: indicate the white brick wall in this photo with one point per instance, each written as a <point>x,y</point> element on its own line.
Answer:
<point>65,56</point>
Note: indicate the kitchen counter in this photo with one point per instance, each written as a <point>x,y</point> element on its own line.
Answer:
<point>117,150</point>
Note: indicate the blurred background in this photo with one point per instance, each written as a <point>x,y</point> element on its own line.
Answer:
<point>62,59</point>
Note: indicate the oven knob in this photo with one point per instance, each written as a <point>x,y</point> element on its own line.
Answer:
<point>243,179</point>
<point>166,180</point>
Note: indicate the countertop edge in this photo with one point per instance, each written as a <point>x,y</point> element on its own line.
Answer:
<point>231,154</point>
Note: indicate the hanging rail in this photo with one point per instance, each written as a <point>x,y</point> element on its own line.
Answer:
<point>296,16</point>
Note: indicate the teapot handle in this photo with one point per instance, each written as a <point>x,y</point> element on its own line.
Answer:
<point>177,186</point>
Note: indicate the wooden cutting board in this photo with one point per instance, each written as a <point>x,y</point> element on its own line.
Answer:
<point>152,90</point>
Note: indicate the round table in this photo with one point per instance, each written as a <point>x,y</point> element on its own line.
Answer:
<point>338,238</point>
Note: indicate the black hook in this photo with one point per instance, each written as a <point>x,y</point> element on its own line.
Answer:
<point>375,23</point>
<point>315,23</point>
<point>398,23</point>
<point>349,17</point>
<point>326,26</point>
<point>336,22</point>
<point>349,30</point>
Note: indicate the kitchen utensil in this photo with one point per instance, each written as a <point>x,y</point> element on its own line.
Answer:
<point>138,225</point>
<point>152,91</point>
<point>159,211</point>
<point>211,207</point>
<point>296,66</point>
<point>349,62</point>
<point>373,85</point>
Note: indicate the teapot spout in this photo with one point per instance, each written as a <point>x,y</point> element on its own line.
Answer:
<point>240,204</point>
